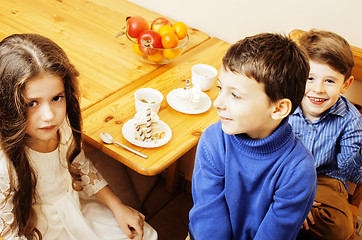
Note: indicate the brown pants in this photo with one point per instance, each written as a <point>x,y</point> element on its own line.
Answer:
<point>333,219</point>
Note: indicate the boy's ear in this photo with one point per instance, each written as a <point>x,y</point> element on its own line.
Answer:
<point>282,109</point>
<point>346,84</point>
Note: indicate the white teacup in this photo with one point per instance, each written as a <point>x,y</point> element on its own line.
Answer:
<point>203,76</point>
<point>148,97</point>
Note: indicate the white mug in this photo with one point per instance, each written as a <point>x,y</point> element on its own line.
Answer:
<point>203,76</point>
<point>148,97</point>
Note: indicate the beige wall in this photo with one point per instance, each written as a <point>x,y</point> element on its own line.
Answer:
<point>231,20</point>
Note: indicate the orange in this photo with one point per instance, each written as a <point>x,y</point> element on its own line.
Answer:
<point>169,40</point>
<point>156,58</point>
<point>165,29</point>
<point>137,50</point>
<point>171,53</point>
<point>180,30</point>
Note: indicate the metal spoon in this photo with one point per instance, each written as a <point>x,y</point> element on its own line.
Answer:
<point>108,139</point>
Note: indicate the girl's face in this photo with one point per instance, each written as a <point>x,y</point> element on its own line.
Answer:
<point>45,96</point>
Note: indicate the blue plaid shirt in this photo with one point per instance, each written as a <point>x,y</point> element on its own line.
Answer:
<point>334,140</point>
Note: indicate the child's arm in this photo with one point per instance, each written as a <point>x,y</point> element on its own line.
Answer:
<point>7,229</point>
<point>130,220</point>
<point>94,184</point>
<point>349,157</point>
<point>209,217</point>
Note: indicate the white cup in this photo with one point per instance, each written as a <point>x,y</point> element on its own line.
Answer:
<point>148,97</point>
<point>203,76</point>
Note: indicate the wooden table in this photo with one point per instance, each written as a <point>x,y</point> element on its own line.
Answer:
<point>85,29</point>
<point>111,72</point>
<point>110,114</point>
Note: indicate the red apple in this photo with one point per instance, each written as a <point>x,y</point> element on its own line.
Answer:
<point>159,22</point>
<point>136,25</point>
<point>149,41</point>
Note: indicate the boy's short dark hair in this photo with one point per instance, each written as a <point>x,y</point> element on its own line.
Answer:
<point>274,60</point>
<point>328,48</point>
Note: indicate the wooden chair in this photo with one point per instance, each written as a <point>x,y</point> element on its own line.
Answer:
<point>354,202</point>
<point>356,196</point>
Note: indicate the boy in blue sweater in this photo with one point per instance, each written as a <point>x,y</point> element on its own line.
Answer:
<point>253,179</point>
<point>331,128</point>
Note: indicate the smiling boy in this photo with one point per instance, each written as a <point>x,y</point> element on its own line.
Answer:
<point>331,127</point>
<point>253,179</point>
<point>323,89</point>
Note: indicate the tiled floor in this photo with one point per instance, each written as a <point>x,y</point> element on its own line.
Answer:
<point>165,212</point>
<point>168,213</point>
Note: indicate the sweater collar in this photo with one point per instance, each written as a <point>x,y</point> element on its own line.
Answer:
<point>267,145</point>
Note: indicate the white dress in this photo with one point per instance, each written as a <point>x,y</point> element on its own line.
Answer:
<point>62,212</point>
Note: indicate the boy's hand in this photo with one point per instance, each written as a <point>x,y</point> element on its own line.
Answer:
<point>310,217</point>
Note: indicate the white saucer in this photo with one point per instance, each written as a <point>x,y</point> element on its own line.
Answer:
<point>205,103</point>
<point>128,130</point>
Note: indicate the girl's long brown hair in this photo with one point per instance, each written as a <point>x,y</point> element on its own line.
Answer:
<point>23,57</point>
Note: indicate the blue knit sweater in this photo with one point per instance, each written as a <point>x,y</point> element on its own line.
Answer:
<point>251,189</point>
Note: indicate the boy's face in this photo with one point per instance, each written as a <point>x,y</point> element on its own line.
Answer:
<point>322,90</point>
<point>243,106</point>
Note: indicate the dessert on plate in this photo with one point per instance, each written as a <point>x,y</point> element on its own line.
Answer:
<point>146,126</point>
<point>187,97</point>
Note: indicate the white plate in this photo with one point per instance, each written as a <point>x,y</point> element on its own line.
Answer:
<point>128,130</point>
<point>205,103</point>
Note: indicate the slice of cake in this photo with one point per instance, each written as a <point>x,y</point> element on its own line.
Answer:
<point>146,126</point>
<point>156,132</point>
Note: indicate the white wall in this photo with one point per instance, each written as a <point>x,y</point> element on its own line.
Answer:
<point>231,20</point>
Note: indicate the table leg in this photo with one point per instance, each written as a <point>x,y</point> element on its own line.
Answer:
<point>172,177</point>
